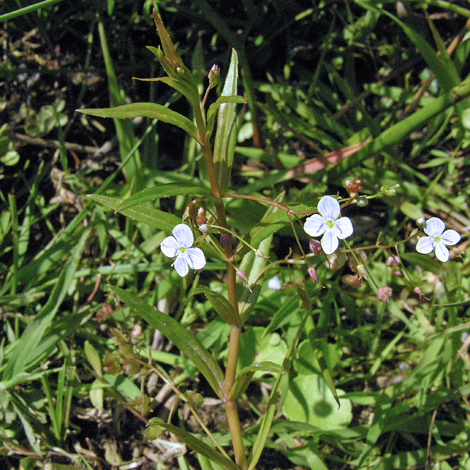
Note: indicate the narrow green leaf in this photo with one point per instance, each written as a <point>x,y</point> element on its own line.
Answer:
<point>214,107</point>
<point>180,336</point>
<point>124,129</point>
<point>423,261</point>
<point>195,444</point>
<point>246,374</point>
<point>93,358</point>
<point>166,190</point>
<point>224,145</point>
<point>140,213</point>
<point>221,305</point>
<point>150,110</point>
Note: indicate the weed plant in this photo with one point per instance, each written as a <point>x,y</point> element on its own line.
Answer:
<point>255,264</point>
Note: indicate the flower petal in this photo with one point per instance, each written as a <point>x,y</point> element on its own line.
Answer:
<point>181,265</point>
<point>170,247</point>
<point>450,237</point>
<point>184,235</point>
<point>434,227</point>
<point>329,208</point>
<point>425,245</point>
<point>329,242</point>
<point>195,258</point>
<point>315,225</point>
<point>343,228</point>
<point>442,252</point>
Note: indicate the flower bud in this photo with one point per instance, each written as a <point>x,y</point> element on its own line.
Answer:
<point>417,291</point>
<point>313,274</point>
<point>214,76</point>
<point>203,228</point>
<point>393,261</point>
<point>421,222</point>
<point>242,275</point>
<point>274,283</point>
<point>201,216</point>
<point>361,271</point>
<point>362,201</point>
<point>352,280</point>
<point>398,273</point>
<point>335,261</point>
<point>389,190</point>
<point>353,186</point>
<point>225,240</point>
<point>315,246</point>
<point>384,293</point>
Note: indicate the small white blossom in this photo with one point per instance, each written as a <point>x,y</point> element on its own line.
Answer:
<point>179,245</point>
<point>437,240</point>
<point>329,224</point>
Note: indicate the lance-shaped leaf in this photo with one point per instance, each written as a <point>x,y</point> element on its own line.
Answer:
<point>194,443</point>
<point>180,336</point>
<point>224,145</point>
<point>246,374</point>
<point>221,305</point>
<point>214,107</point>
<point>150,110</point>
<point>166,190</point>
<point>170,52</point>
<point>140,213</point>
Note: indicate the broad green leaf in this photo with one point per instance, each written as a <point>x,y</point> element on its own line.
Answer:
<point>246,374</point>
<point>140,213</point>
<point>224,145</point>
<point>180,336</point>
<point>150,110</point>
<point>197,445</point>
<point>166,190</point>
<point>221,306</point>
<point>309,400</point>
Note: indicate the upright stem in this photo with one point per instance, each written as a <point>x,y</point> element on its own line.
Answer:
<point>235,330</point>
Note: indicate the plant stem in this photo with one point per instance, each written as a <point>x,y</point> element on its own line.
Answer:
<point>235,331</point>
<point>229,401</point>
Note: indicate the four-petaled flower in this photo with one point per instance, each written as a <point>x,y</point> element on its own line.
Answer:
<point>438,239</point>
<point>328,223</point>
<point>179,245</point>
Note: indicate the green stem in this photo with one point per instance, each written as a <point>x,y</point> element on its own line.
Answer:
<point>229,402</point>
<point>234,341</point>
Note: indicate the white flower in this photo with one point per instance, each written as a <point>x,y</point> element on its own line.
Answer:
<point>438,239</point>
<point>179,245</point>
<point>329,224</point>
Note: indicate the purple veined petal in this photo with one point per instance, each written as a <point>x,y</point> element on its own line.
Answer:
<point>450,237</point>
<point>329,208</point>
<point>195,258</point>
<point>170,247</point>
<point>329,242</point>
<point>425,245</point>
<point>343,228</point>
<point>181,265</point>
<point>315,225</point>
<point>184,235</point>
<point>434,227</point>
<point>442,252</point>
